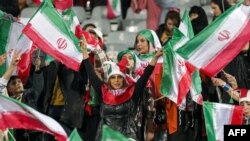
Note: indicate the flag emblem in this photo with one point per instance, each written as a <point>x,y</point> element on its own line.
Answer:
<point>224,35</point>
<point>61,43</point>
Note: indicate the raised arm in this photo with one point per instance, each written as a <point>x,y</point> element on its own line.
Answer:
<point>226,87</point>
<point>5,78</point>
<point>94,79</point>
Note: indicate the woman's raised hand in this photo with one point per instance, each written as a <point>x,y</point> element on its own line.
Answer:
<point>83,45</point>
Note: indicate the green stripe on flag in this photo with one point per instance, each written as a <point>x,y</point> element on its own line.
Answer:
<point>5,27</point>
<point>208,110</point>
<point>196,82</point>
<point>109,134</point>
<point>4,34</point>
<point>10,135</point>
<point>74,136</point>
<point>168,63</point>
<point>1,13</point>
<point>114,3</point>
<point>190,47</point>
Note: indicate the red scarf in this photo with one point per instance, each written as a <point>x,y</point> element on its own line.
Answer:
<point>116,97</point>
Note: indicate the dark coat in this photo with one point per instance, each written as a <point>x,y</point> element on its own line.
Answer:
<point>73,88</point>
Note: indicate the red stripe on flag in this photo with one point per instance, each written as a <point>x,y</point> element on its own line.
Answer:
<point>237,115</point>
<point>110,10</point>
<point>24,65</point>
<point>48,48</point>
<point>23,121</point>
<point>229,53</point>
<point>184,87</point>
<point>243,92</point>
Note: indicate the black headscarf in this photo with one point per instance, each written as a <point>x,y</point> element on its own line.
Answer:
<point>201,21</point>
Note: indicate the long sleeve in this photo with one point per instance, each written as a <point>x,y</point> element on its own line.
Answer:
<point>32,95</point>
<point>93,78</point>
<point>142,81</point>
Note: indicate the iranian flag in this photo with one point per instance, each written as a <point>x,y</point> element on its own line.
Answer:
<point>72,21</point>
<point>109,134</point>
<point>12,39</point>
<point>14,114</point>
<point>179,77</point>
<point>220,42</point>
<point>113,8</point>
<point>176,79</point>
<point>49,32</point>
<point>187,30</point>
<point>217,115</point>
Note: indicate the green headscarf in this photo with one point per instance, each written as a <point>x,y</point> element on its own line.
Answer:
<point>121,53</point>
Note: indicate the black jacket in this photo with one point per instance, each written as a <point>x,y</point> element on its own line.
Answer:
<point>73,87</point>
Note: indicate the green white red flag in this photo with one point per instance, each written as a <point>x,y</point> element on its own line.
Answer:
<point>14,114</point>
<point>214,47</point>
<point>176,79</point>
<point>187,30</point>
<point>113,8</point>
<point>12,39</point>
<point>72,21</point>
<point>217,115</point>
<point>49,32</point>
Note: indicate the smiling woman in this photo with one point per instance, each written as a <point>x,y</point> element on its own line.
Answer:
<point>119,95</point>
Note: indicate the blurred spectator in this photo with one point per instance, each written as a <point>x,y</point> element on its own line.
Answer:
<point>233,2</point>
<point>153,11</point>
<point>10,6</point>
<point>22,4</point>
<point>218,7</point>
<point>165,30</point>
<point>198,18</point>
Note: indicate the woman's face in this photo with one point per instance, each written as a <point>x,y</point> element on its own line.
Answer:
<point>142,45</point>
<point>246,109</point>
<point>170,25</point>
<point>131,62</point>
<point>215,8</point>
<point>116,81</point>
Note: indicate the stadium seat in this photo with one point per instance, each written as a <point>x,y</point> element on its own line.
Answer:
<point>28,12</point>
<point>132,15</point>
<point>113,49</point>
<point>121,37</point>
<point>101,24</point>
<point>80,13</point>
<point>132,25</point>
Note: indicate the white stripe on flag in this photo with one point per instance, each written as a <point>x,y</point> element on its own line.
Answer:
<point>232,26</point>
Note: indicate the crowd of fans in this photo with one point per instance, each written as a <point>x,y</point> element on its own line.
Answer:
<point>121,95</point>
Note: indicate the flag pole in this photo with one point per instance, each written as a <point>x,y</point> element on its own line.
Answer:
<point>223,6</point>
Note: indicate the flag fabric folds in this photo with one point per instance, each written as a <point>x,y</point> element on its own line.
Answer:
<point>217,115</point>
<point>12,39</point>
<point>74,136</point>
<point>113,8</point>
<point>49,32</point>
<point>14,114</point>
<point>108,134</point>
<point>220,42</point>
